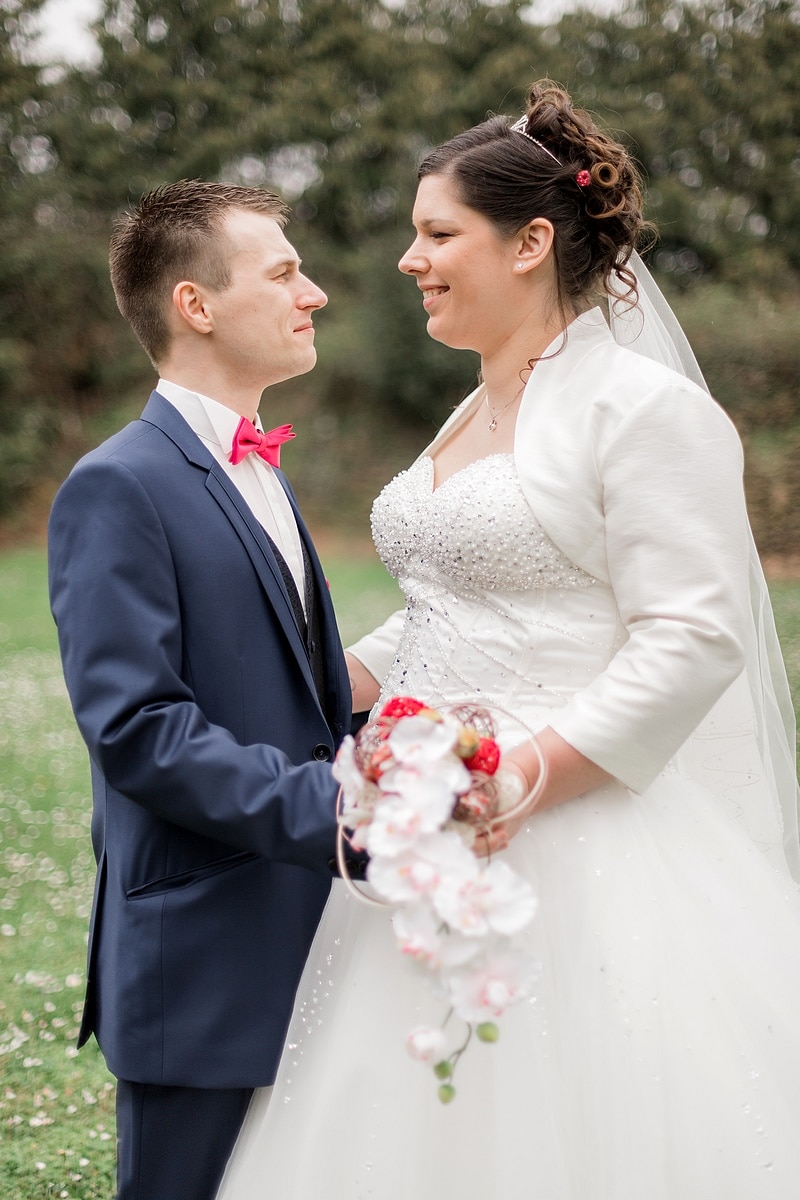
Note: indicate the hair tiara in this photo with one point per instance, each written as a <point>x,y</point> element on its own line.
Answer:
<point>583,178</point>
<point>520,126</point>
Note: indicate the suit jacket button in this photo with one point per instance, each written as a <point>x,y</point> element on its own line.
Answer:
<point>322,753</point>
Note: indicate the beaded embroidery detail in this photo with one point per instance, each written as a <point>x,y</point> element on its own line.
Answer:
<point>476,529</point>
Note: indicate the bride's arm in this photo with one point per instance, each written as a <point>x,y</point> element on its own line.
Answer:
<point>364,686</point>
<point>369,660</point>
<point>569,773</point>
<point>677,553</point>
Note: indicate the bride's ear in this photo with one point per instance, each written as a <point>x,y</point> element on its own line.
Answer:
<point>532,245</point>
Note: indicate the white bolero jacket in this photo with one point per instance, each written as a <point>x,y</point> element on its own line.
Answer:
<point>635,473</point>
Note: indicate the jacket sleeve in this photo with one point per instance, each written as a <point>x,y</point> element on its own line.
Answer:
<point>117,604</point>
<point>677,549</point>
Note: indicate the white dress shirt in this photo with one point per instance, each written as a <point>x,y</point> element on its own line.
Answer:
<point>215,425</point>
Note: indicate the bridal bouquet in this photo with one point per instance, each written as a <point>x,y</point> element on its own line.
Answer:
<point>418,787</point>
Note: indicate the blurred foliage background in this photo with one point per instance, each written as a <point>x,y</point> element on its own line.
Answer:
<point>332,102</point>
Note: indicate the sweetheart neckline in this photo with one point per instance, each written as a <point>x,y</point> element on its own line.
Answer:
<point>434,487</point>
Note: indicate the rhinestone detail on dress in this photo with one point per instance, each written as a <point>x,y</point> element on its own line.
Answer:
<point>475,529</point>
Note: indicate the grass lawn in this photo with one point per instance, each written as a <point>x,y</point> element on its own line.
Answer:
<point>56,1107</point>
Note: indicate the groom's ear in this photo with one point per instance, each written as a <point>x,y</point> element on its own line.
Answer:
<point>190,302</point>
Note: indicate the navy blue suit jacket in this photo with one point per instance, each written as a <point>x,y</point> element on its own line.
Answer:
<point>213,820</point>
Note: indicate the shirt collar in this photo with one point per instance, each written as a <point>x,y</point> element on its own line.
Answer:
<point>208,418</point>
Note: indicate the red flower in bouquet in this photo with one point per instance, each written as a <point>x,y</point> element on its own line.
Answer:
<point>486,758</point>
<point>401,706</point>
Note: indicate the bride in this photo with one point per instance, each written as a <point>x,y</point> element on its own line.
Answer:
<point>575,555</point>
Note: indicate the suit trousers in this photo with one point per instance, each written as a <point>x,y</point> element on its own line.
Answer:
<point>174,1142</point>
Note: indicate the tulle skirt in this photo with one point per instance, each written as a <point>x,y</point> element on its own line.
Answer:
<point>658,1060</point>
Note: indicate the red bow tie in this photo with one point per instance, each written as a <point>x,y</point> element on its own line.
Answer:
<point>266,445</point>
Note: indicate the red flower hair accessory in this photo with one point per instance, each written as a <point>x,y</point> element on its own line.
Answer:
<point>583,179</point>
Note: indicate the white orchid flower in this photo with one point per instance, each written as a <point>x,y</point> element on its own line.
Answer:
<point>418,741</point>
<point>401,820</point>
<point>426,1044</point>
<point>483,991</point>
<point>424,940</point>
<point>344,769</point>
<point>422,753</point>
<point>492,900</point>
<point>419,934</point>
<point>420,870</point>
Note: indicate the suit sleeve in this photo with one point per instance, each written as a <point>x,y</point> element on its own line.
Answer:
<point>678,552</point>
<point>116,602</point>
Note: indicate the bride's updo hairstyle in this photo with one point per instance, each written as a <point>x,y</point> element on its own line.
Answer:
<point>558,164</point>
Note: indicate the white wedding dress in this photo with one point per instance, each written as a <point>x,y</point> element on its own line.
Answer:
<point>660,1056</point>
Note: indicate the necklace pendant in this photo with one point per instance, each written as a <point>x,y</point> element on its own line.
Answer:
<point>493,425</point>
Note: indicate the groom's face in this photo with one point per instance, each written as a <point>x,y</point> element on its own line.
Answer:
<point>262,322</point>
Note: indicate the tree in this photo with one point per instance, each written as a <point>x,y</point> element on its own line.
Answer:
<point>27,157</point>
<point>709,97</point>
<point>333,102</point>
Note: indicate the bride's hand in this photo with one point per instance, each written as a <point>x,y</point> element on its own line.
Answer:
<point>522,784</point>
<point>514,787</point>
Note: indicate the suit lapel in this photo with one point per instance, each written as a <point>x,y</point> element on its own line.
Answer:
<point>165,416</point>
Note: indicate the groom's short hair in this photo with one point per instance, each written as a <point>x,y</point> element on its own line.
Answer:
<point>175,233</point>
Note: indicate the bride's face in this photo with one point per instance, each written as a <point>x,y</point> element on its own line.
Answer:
<point>464,269</point>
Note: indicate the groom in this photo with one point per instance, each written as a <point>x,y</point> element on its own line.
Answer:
<point>206,675</point>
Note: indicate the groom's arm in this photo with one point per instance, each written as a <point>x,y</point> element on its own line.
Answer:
<point>115,598</point>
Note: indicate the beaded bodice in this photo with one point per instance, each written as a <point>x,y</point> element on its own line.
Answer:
<point>476,529</point>
<point>494,610</point>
